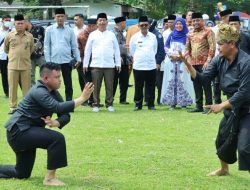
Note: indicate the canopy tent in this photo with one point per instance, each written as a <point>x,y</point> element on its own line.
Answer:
<point>242,14</point>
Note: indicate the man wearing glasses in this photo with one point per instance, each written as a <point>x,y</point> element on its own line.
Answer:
<point>143,48</point>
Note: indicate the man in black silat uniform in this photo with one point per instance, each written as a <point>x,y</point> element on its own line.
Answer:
<point>232,67</point>
<point>26,128</point>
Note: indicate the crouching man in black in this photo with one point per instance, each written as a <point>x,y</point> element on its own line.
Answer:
<point>232,67</point>
<point>26,128</point>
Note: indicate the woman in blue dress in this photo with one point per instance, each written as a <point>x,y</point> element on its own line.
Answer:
<point>177,87</point>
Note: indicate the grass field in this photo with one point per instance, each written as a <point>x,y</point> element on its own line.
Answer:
<point>160,149</point>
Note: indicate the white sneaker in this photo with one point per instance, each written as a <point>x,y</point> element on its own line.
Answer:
<point>95,109</point>
<point>110,109</point>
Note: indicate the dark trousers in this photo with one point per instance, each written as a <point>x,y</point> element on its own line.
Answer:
<point>243,145</point>
<point>67,79</point>
<point>83,79</point>
<point>122,77</point>
<point>24,144</point>
<point>97,76</point>
<point>149,78</point>
<point>4,73</point>
<point>199,87</point>
<point>217,91</point>
<point>159,79</point>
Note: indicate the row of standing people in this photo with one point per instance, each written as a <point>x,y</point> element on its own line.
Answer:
<point>177,88</point>
<point>59,45</point>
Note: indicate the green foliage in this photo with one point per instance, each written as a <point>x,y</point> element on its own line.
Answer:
<point>160,8</point>
<point>9,1</point>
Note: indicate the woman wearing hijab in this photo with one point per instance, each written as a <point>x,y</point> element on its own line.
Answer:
<point>177,87</point>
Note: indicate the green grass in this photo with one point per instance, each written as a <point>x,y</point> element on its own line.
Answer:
<point>159,149</point>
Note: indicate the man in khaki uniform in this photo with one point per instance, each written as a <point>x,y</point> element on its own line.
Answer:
<point>18,45</point>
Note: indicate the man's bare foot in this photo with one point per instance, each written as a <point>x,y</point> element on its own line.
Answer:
<point>219,172</point>
<point>53,182</point>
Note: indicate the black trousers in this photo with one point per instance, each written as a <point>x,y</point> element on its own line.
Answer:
<point>4,73</point>
<point>149,78</point>
<point>123,78</point>
<point>242,142</point>
<point>217,91</point>
<point>159,79</point>
<point>81,77</point>
<point>67,79</point>
<point>25,143</point>
<point>84,79</point>
<point>199,87</point>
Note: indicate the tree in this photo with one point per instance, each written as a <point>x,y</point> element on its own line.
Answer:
<point>160,8</point>
<point>9,1</point>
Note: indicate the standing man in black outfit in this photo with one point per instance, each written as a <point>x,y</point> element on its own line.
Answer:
<point>244,37</point>
<point>37,57</point>
<point>123,76</point>
<point>159,58</point>
<point>4,30</point>
<point>26,128</point>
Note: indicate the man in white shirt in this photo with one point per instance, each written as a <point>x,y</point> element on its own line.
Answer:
<point>103,48</point>
<point>4,30</point>
<point>79,24</point>
<point>143,48</point>
<point>165,34</point>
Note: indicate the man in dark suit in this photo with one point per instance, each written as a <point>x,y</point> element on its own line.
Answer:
<point>121,77</point>
<point>159,57</point>
<point>244,37</point>
<point>26,128</point>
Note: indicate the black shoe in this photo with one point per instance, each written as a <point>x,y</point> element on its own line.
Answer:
<point>151,108</point>
<point>205,111</point>
<point>195,110</point>
<point>124,103</point>
<point>90,104</point>
<point>137,108</point>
